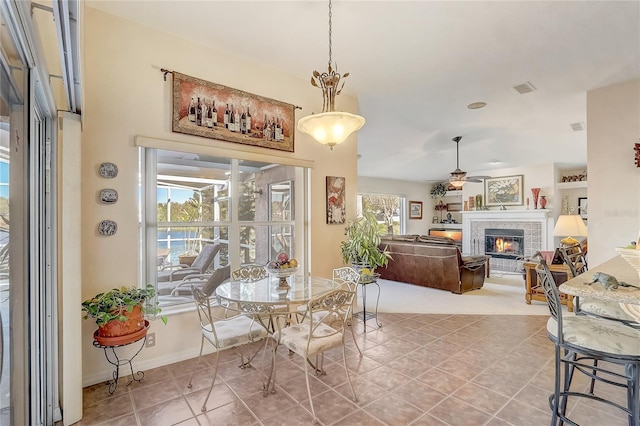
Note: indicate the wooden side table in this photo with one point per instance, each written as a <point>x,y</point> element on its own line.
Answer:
<point>534,291</point>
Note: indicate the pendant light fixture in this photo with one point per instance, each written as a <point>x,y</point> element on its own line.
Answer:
<point>330,127</point>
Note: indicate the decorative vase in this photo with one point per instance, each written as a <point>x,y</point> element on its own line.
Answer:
<point>536,193</point>
<point>478,202</point>
<point>466,206</point>
<point>543,201</point>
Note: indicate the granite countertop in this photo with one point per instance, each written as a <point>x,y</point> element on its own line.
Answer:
<point>619,268</point>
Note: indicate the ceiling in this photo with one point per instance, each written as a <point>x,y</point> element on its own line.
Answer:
<point>415,66</point>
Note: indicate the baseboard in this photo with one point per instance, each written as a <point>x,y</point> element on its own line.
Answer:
<point>107,374</point>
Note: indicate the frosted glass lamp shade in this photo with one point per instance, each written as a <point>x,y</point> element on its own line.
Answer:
<point>570,225</point>
<point>457,183</point>
<point>330,128</point>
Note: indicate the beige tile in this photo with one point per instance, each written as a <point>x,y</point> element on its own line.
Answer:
<point>231,414</point>
<point>359,418</point>
<point>484,399</point>
<point>395,411</point>
<point>331,407</point>
<point>521,414</point>
<point>167,413</point>
<point>163,391</point>
<point>441,380</point>
<point>456,412</point>
<point>108,408</point>
<point>387,378</point>
<point>428,420</point>
<point>220,395</point>
<point>413,364</point>
<point>419,394</point>
<point>366,392</point>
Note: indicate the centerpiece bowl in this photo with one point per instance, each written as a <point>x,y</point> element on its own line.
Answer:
<point>282,274</point>
<point>632,256</point>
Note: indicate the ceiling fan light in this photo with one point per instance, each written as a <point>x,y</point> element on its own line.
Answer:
<point>457,184</point>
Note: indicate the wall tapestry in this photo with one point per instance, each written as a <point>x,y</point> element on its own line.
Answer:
<point>503,191</point>
<point>211,110</point>
<point>336,211</point>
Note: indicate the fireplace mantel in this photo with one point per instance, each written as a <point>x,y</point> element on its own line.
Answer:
<point>542,216</point>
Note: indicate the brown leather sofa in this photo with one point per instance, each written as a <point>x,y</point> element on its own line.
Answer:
<point>432,262</point>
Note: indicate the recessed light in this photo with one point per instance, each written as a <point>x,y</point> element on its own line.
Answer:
<point>477,105</point>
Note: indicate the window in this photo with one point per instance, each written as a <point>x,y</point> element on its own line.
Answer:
<point>191,200</point>
<point>388,209</point>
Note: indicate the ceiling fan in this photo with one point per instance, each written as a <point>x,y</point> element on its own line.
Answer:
<point>458,177</point>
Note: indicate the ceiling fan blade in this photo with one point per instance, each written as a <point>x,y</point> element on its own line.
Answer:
<point>478,177</point>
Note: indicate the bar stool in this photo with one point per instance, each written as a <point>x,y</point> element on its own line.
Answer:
<point>581,343</point>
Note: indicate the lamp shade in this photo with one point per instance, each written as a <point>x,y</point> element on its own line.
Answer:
<point>330,128</point>
<point>570,225</point>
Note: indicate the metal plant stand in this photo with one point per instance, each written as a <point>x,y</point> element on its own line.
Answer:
<point>111,354</point>
<point>364,315</point>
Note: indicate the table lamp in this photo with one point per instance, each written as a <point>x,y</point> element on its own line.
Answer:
<point>569,226</point>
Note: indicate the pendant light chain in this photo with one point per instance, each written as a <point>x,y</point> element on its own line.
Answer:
<point>329,33</point>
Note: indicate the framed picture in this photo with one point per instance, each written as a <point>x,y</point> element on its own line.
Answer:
<point>211,110</point>
<point>582,207</point>
<point>504,191</point>
<point>336,211</point>
<point>415,209</point>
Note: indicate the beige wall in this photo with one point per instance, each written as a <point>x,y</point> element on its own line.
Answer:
<point>613,126</point>
<point>126,96</point>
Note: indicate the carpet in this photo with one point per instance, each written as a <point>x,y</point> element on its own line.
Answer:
<point>502,294</point>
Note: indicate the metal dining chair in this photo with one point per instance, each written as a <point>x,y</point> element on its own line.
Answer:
<point>347,278</point>
<point>256,272</point>
<point>223,334</point>
<point>589,345</point>
<point>315,336</point>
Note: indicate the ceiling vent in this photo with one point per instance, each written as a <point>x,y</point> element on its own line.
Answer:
<point>577,127</point>
<point>525,87</point>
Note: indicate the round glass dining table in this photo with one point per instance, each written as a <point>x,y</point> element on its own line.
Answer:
<point>264,296</point>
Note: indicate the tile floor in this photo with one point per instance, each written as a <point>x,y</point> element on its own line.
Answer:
<point>418,369</point>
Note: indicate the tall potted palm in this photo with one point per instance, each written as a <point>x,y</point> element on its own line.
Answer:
<point>361,249</point>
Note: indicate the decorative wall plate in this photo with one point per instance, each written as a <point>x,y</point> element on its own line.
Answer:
<point>108,196</point>
<point>107,227</point>
<point>108,170</point>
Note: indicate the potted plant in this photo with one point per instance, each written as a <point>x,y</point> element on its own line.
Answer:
<point>119,314</point>
<point>361,248</point>
<point>439,190</point>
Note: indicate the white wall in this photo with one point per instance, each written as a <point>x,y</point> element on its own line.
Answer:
<point>613,127</point>
<point>126,96</point>
<point>69,269</point>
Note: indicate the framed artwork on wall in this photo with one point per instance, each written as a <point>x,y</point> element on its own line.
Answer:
<point>582,207</point>
<point>336,209</point>
<point>415,209</point>
<point>211,110</point>
<point>504,191</point>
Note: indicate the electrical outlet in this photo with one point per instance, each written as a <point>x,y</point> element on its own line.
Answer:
<point>151,340</point>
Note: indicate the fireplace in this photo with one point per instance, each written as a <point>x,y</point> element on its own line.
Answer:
<point>504,243</point>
